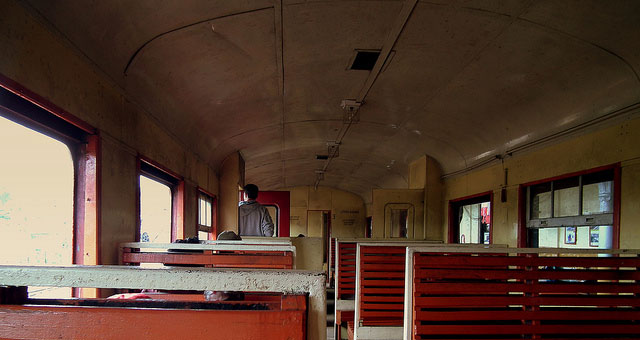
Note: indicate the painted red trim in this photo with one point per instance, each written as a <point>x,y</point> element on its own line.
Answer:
<point>522,216</point>
<point>160,167</point>
<point>282,200</point>
<point>136,236</point>
<point>617,195</point>
<point>214,220</point>
<point>453,230</point>
<point>491,220</point>
<point>490,192</point>
<point>21,91</point>
<point>450,236</point>
<point>177,198</point>
<point>177,211</point>
<point>572,174</point>
<point>200,189</point>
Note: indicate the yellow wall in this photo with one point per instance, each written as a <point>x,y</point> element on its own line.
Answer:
<point>384,197</point>
<point>307,250</point>
<point>47,65</point>
<point>347,211</point>
<point>425,173</point>
<point>230,183</point>
<point>619,143</point>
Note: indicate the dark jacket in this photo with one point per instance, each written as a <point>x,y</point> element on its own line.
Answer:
<point>254,220</point>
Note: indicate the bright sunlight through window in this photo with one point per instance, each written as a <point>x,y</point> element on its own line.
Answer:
<point>155,211</point>
<point>36,201</point>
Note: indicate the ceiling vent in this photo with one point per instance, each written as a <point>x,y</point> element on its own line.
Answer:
<point>322,157</point>
<point>365,60</point>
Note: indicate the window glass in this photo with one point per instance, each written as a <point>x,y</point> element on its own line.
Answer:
<point>541,201</point>
<point>36,202</point>
<point>205,210</point>
<point>566,197</point>
<point>399,222</point>
<point>576,237</point>
<point>573,197</point>
<point>205,216</point>
<point>597,198</point>
<point>155,211</point>
<point>475,222</point>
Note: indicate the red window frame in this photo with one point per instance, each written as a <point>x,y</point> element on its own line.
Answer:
<point>146,166</point>
<point>522,201</point>
<point>34,111</point>
<point>454,228</point>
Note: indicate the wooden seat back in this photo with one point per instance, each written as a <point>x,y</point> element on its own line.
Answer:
<point>524,294</point>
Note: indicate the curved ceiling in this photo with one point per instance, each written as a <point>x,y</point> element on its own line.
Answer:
<point>465,80</point>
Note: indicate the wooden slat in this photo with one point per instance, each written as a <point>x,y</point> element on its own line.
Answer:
<point>382,285</point>
<point>476,296</point>
<point>519,287</point>
<point>346,268</point>
<point>588,329</point>
<point>596,315</point>
<point>484,274</point>
<point>269,260</point>
<point>38,322</point>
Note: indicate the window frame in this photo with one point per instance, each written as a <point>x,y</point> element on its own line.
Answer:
<point>33,111</point>
<point>454,204</point>
<point>151,169</point>
<point>213,229</point>
<point>523,201</point>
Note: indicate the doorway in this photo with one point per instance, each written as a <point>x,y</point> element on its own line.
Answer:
<point>319,225</point>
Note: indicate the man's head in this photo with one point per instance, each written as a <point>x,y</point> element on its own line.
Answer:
<point>251,191</point>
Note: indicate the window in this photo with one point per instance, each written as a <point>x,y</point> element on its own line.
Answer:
<point>470,219</point>
<point>574,211</point>
<point>398,220</point>
<point>206,216</point>
<point>161,204</point>
<point>155,211</point>
<point>48,187</point>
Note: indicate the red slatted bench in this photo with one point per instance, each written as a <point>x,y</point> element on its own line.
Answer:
<point>523,294</point>
<point>345,277</point>
<point>346,273</point>
<point>217,255</point>
<point>380,287</point>
<point>380,291</point>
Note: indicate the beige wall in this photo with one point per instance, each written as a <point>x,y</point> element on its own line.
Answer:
<point>47,65</point>
<point>307,250</point>
<point>619,143</point>
<point>425,173</point>
<point>230,182</point>
<point>382,198</point>
<point>347,211</point>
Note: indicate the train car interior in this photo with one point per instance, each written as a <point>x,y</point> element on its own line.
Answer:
<point>425,169</point>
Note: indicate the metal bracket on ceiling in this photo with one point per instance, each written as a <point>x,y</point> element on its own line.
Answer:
<point>351,108</point>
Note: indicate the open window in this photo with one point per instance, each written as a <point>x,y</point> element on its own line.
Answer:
<point>470,219</point>
<point>207,210</point>
<point>48,186</point>
<point>161,203</point>
<point>573,211</point>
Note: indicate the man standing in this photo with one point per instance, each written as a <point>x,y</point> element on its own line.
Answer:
<point>253,218</point>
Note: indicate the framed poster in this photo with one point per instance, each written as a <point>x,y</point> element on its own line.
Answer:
<point>570,235</point>
<point>594,236</point>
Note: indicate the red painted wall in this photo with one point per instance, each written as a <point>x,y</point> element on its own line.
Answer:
<point>280,199</point>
